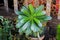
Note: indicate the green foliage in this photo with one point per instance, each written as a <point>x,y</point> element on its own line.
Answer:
<point>1,17</point>
<point>58,32</point>
<point>5,28</point>
<point>30,20</point>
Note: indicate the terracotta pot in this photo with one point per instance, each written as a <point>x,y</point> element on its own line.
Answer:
<point>41,38</point>
<point>34,39</point>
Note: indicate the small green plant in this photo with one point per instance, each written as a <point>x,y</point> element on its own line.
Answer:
<point>58,32</point>
<point>30,20</point>
<point>5,28</point>
<point>1,30</point>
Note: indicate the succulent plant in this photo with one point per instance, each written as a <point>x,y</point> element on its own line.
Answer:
<point>30,20</point>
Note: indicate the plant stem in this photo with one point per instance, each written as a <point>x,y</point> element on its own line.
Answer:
<point>38,35</point>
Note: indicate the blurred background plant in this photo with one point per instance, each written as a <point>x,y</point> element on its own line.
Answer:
<point>6,26</point>
<point>58,32</point>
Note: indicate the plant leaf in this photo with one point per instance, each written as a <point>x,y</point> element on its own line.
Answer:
<point>34,28</point>
<point>25,11</point>
<point>1,18</point>
<point>27,24</point>
<point>22,21</point>
<point>28,31</point>
<point>38,22</point>
<point>31,8</point>
<point>48,18</point>
<point>21,16</point>
<point>42,18</point>
<point>20,31</point>
<point>40,13</point>
<point>40,8</point>
<point>18,12</point>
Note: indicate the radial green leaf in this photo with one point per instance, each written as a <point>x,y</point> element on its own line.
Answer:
<point>38,22</point>
<point>31,8</point>
<point>28,31</point>
<point>22,21</point>
<point>34,27</point>
<point>27,24</point>
<point>25,10</point>
<point>18,12</point>
<point>48,18</point>
<point>40,8</point>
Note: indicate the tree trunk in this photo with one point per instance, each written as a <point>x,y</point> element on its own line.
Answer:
<point>15,5</point>
<point>6,5</point>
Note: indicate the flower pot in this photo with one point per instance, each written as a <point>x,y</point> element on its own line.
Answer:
<point>41,38</point>
<point>34,39</point>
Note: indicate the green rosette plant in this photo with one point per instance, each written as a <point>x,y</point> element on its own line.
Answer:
<point>30,20</point>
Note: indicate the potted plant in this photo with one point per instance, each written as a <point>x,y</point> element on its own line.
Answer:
<point>30,21</point>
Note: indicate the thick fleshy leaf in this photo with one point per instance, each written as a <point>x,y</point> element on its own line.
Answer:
<point>25,11</point>
<point>28,31</point>
<point>18,12</point>
<point>34,28</point>
<point>40,13</point>
<point>27,24</point>
<point>41,17</point>
<point>48,18</point>
<point>20,31</point>
<point>39,9</point>
<point>22,21</point>
<point>43,12</point>
<point>38,22</point>
<point>18,25</point>
<point>31,8</point>
<point>1,18</point>
<point>21,16</point>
